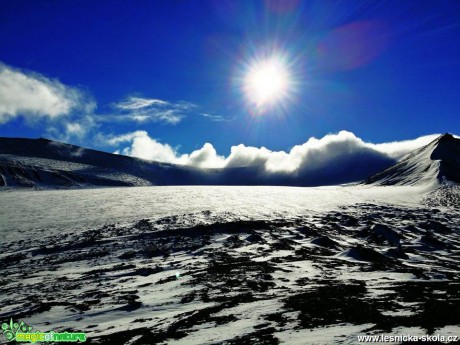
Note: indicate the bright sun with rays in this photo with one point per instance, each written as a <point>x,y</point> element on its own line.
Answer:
<point>267,82</point>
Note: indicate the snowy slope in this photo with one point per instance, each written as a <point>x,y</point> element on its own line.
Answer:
<point>430,165</point>
<point>44,163</point>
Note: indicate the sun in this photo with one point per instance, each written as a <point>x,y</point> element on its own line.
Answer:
<point>267,82</point>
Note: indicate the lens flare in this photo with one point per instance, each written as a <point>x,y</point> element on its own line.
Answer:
<point>267,82</point>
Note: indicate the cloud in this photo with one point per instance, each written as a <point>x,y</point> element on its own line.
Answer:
<point>398,149</point>
<point>145,147</point>
<point>72,129</point>
<point>142,110</point>
<point>32,96</point>
<point>310,155</point>
<point>113,140</point>
<point>142,146</point>
<point>139,103</point>
<point>334,158</point>
<point>245,156</point>
<point>206,157</point>
<point>75,129</point>
<point>216,118</point>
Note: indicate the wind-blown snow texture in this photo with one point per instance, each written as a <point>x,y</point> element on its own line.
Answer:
<point>247,265</point>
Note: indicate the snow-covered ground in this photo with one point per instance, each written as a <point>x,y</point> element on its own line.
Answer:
<point>234,265</point>
<point>25,210</point>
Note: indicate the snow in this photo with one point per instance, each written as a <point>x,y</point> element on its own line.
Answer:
<point>119,282</point>
<point>80,208</point>
<point>256,264</point>
<point>429,165</point>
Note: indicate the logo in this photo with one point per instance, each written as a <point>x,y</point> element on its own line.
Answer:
<point>22,332</point>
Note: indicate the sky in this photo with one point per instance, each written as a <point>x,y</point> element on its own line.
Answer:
<point>209,82</point>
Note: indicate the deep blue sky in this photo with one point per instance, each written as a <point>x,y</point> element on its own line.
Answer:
<point>385,70</point>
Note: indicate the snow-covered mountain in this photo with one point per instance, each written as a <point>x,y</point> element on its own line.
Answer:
<point>432,164</point>
<point>42,163</point>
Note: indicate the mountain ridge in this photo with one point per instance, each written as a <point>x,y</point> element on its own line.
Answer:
<point>434,163</point>
<point>44,163</point>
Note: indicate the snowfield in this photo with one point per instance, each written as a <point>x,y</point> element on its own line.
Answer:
<point>232,265</point>
<point>23,211</point>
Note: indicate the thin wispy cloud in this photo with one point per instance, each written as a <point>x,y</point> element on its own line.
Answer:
<point>142,110</point>
<point>216,118</point>
<point>139,103</point>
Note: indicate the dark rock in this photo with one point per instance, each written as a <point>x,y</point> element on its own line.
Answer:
<point>326,242</point>
<point>254,238</point>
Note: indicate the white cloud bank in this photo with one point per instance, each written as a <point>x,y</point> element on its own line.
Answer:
<point>145,147</point>
<point>313,155</point>
<point>32,96</point>
<point>142,146</point>
<point>398,149</point>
